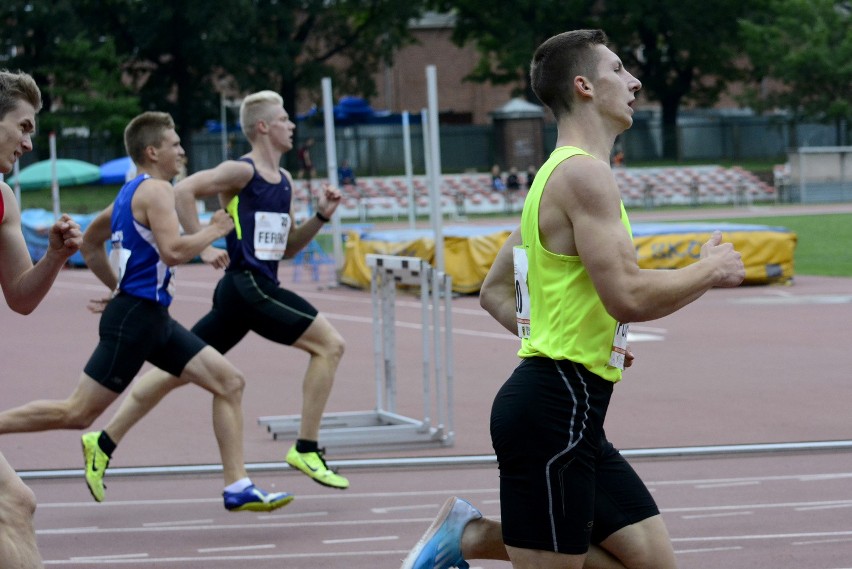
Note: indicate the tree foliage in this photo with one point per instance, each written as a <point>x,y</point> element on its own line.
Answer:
<point>76,73</point>
<point>806,47</point>
<point>178,56</point>
<point>683,51</point>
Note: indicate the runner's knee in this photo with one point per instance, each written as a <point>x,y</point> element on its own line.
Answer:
<point>80,417</point>
<point>232,384</point>
<point>18,502</point>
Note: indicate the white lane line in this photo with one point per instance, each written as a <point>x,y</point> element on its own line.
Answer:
<point>111,557</point>
<point>700,516</point>
<point>756,537</point>
<point>824,507</point>
<point>755,506</point>
<point>817,541</point>
<point>207,559</point>
<point>178,523</point>
<point>708,549</point>
<point>729,484</point>
<point>236,548</point>
<point>361,539</point>
<point>799,477</point>
<point>262,517</point>
<point>403,508</point>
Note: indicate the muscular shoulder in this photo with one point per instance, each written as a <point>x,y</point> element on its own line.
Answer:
<point>584,183</point>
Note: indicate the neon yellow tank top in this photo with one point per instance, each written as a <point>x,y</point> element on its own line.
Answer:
<point>567,318</point>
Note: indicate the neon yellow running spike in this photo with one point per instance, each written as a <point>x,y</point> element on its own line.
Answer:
<point>96,464</point>
<point>313,464</point>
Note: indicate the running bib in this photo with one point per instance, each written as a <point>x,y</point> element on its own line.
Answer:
<point>118,258</point>
<point>619,346</point>
<point>270,235</point>
<point>522,291</point>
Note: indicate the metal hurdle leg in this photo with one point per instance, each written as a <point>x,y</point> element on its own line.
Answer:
<point>384,428</point>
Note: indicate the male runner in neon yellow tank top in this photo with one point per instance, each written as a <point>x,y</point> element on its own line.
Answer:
<point>568,497</point>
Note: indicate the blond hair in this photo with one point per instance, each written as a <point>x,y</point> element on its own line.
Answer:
<point>258,107</point>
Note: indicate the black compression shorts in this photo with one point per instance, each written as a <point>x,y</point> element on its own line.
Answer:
<point>562,484</point>
<point>132,331</point>
<point>246,301</point>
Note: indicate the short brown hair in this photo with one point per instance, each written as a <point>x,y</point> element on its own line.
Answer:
<point>18,86</point>
<point>147,129</point>
<point>558,61</point>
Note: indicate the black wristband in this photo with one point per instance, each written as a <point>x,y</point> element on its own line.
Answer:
<point>322,218</point>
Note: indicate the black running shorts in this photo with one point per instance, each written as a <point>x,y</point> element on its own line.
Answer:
<point>132,331</point>
<point>562,484</point>
<point>246,301</point>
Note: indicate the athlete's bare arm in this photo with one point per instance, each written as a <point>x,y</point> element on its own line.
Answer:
<point>585,194</point>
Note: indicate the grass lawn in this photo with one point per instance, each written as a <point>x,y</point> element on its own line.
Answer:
<point>824,242</point>
<point>77,199</point>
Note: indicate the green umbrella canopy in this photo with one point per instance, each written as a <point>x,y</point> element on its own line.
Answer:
<point>69,172</point>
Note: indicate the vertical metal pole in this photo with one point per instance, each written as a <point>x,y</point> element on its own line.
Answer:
<point>435,154</point>
<point>425,277</point>
<point>437,347</point>
<point>389,318</point>
<point>331,165</point>
<point>54,184</point>
<point>223,118</point>
<point>409,183</point>
<point>427,159</point>
<point>378,341</point>
<point>447,287</point>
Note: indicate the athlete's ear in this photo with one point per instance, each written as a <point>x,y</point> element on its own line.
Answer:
<point>261,126</point>
<point>151,153</point>
<point>582,86</point>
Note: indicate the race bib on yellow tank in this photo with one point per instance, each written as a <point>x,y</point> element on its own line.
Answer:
<point>619,346</point>
<point>522,291</point>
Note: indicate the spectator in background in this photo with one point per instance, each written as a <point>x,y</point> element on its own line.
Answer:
<point>513,182</point>
<point>513,186</point>
<point>497,183</point>
<point>617,158</point>
<point>306,164</point>
<point>530,176</point>
<point>345,175</point>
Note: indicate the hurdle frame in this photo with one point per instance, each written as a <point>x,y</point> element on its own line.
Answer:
<point>384,428</point>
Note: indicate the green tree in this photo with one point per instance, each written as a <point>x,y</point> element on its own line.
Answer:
<point>178,56</point>
<point>292,44</point>
<point>683,51</point>
<point>76,74</point>
<point>183,56</point>
<point>506,48</point>
<point>805,47</point>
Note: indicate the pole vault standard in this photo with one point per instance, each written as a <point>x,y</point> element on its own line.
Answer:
<point>331,168</point>
<point>384,427</point>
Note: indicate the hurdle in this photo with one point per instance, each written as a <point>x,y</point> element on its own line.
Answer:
<point>384,428</point>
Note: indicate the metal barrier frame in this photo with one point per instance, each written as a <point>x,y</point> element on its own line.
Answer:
<point>384,428</point>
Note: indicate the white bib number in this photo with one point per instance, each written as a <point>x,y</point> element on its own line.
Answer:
<point>118,258</point>
<point>619,346</point>
<point>270,235</point>
<point>522,291</point>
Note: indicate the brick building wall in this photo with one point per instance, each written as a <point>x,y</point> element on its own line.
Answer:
<point>403,86</point>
